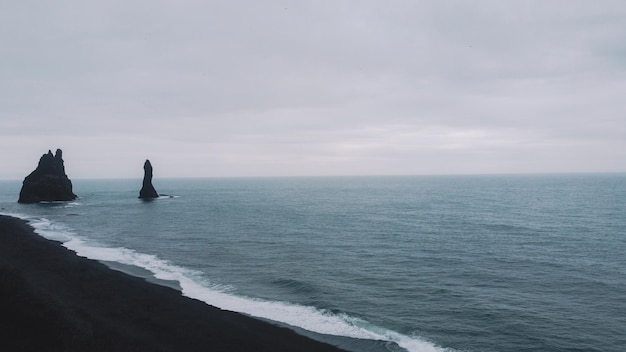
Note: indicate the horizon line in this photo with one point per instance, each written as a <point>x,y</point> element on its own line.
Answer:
<point>547,173</point>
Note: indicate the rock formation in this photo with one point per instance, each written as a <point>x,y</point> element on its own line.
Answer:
<point>147,189</point>
<point>48,182</point>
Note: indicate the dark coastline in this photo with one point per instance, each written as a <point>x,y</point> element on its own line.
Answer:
<point>54,300</point>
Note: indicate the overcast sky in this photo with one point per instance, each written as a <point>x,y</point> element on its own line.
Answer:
<point>281,88</point>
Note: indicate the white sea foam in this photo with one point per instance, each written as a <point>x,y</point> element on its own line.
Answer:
<point>195,286</point>
<point>72,204</point>
<point>51,230</point>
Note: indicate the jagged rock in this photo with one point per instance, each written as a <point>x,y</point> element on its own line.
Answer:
<point>147,189</point>
<point>48,182</point>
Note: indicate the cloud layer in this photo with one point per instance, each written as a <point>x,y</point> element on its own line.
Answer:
<point>213,88</point>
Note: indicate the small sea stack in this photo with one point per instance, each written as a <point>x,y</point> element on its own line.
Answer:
<point>48,182</point>
<point>147,189</point>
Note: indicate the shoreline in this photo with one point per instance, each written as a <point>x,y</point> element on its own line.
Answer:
<point>55,300</point>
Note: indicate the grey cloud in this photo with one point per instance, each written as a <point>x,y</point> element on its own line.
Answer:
<point>353,85</point>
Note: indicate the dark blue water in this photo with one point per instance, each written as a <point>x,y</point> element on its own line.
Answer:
<point>464,263</point>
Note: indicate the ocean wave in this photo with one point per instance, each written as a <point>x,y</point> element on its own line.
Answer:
<point>195,285</point>
<point>294,285</point>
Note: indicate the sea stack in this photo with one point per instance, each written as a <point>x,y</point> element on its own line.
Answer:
<point>48,182</point>
<point>147,189</point>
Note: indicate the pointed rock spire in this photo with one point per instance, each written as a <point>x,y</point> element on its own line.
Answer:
<point>147,189</point>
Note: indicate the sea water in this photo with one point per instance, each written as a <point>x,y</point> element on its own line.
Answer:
<point>424,263</point>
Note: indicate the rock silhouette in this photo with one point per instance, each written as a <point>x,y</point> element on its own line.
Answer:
<point>48,182</point>
<point>147,189</point>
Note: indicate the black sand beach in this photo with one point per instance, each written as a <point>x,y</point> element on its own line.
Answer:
<point>54,300</point>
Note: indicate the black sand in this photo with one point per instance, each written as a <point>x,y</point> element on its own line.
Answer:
<point>54,300</point>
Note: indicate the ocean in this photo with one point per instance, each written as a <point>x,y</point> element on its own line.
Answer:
<point>418,263</point>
